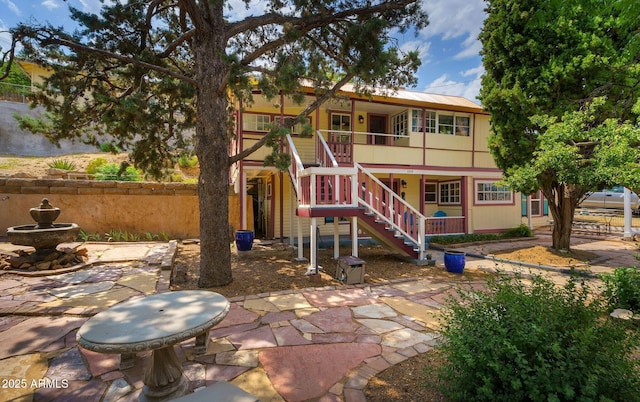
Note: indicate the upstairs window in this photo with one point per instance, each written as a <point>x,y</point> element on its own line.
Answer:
<point>399,124</point>
<point>441,122</point>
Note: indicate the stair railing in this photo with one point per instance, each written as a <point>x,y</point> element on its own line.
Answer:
<point>324,156</point>
<point>391,209</point>
<point>296,166</point>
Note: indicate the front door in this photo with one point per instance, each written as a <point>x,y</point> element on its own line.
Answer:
<point>377,124</point>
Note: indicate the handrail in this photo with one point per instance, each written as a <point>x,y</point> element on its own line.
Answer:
<point>324,152</point>
<point>395,211</point>
<point>295,166</point>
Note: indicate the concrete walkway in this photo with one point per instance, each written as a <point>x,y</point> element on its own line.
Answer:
<point>318,343</point>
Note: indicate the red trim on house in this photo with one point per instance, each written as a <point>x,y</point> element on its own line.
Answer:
<point>420,168</point>
<point>308,212</point>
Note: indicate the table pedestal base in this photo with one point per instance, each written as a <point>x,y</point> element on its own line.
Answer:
<point>164,379</point>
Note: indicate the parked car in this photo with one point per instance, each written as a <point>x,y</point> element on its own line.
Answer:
<point>612,198</point>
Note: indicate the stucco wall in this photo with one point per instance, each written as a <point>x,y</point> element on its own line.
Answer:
<point>101,206</point>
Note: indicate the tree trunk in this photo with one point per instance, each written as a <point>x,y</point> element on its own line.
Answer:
<point>562,208</point>
<point>212,151</point>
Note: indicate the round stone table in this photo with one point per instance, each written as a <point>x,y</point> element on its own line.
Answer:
<point>155,322</point>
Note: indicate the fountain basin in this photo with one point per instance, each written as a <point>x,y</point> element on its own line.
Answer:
<point>42,239</point>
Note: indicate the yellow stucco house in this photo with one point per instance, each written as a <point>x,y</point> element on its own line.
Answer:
<point>397,168</point>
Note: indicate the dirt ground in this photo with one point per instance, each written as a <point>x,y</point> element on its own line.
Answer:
<point>38,166</point>
<point>270,266</point>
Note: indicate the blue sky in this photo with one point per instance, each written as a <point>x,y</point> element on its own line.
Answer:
<point>449,46</point>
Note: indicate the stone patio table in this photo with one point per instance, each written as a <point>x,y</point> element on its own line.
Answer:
<point>156,323</point>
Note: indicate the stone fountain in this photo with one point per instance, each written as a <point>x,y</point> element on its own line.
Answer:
<point>45,235</point>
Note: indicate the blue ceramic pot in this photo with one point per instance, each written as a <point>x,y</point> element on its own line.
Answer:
<point>244,240</point>
<point>454,261</point>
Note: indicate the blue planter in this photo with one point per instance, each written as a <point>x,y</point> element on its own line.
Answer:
<point>244,240</point>
<point>454,261</point>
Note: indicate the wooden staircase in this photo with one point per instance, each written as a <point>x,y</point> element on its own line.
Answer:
<point>327,189</point>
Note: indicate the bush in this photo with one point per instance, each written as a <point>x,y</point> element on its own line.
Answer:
<point>535,342</point>
<point>187,161</point>
<point>520,231</point>
<point>94,165</point>
<point>62,164</point>
<point>113,171</point>
<point>622,288</point>
<point>109,147</point>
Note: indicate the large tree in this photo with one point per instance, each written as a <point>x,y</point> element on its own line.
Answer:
<point>147,71</point>
<point>562,77</point>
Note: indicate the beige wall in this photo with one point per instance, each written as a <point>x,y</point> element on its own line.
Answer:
<point>98,206</point>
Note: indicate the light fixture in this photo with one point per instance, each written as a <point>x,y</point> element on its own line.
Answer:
<point>360,119</point>
<point>403,183</point>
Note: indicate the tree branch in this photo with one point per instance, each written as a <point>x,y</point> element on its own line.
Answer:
<point>88,49</point>
<point>307,110</point>
<point>303,25</point>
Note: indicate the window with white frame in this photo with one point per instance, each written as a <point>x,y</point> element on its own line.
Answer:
<point>441,122</point>
<point>430,193</point>
<point>429,120</point>
<point>255,122</point>
<point>449,192</point>
<point>340,122</point>
<point>489,192</point>
<point>399,124</point>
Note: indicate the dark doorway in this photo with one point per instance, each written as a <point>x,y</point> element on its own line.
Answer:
<point>377,124</point>
<point>255,190</point>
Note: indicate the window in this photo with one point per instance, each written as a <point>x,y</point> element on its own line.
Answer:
<point>441,122</point>
<point>450,192</point>
<point>399,124</point>
<point>445,124</point>
<point>462,125</point>
<point>430,193</point>
<point>340,122</point>
<point>416,121</point>
<point>488,192</point>
<point>255,122</point>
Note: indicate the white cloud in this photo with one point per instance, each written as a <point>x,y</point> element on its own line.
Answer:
<point>450,19</point>
<point>469,89</point>
<point>12,6</point>
<point>51,4</point>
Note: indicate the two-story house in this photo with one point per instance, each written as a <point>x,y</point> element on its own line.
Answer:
<point>397,168</point>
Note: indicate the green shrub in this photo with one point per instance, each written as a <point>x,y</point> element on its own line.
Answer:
<point>109,147</point>
<point>622,288</point>
<point>187,161</point>
<point>113,171</point>
<point>176,178</point>
<point>62,164</point>
<point>520,231</point>
<point>535,342</point>
<point>94,165</point>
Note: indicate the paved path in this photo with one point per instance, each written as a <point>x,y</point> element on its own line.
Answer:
<point>317,343</point>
